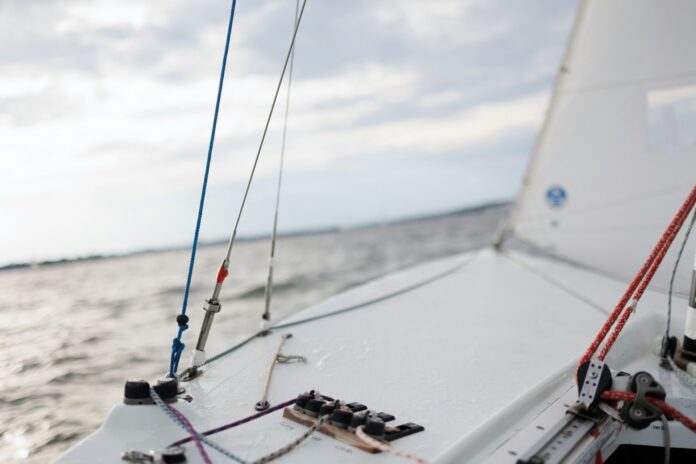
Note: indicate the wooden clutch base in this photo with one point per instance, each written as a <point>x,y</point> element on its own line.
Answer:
<point>342,435</point>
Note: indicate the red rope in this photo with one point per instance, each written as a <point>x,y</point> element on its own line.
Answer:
<point>642,279</point>
<point>672,234</point>
<point>664,407</point>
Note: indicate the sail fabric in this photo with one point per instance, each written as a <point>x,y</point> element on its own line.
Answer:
<point>617,154</point>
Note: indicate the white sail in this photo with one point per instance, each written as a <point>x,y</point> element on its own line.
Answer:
<point>617,154</point>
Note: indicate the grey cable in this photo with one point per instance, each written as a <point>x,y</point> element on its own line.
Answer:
<point>665,435</point>
<point>336,312</point>
<point>292,445</point>
<point>168,411</point>
<point>265,131</point>
<point>269,282</point>
<point>674,273</point>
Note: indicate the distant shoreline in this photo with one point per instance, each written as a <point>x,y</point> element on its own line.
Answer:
<point>252,238</point>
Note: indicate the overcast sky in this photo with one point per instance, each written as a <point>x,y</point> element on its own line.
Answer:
<point>399,108</point>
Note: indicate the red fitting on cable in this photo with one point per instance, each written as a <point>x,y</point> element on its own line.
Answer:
<point>222,274</point>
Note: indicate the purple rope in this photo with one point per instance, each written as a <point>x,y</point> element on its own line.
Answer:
<point>194,435</point>
<point>185,422</point>
<point>238,422</point>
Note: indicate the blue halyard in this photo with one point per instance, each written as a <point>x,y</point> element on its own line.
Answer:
<point>182,320</point>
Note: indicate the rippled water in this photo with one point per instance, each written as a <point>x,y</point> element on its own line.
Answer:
<point>70,334</point>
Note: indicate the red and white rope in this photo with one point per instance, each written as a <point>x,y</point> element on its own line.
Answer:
<point>385,448</point>
<point>640,282</point>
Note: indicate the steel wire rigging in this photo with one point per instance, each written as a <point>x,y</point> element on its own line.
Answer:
<point>266,316</point>
<point>182,319</point>
<point>212,305</point>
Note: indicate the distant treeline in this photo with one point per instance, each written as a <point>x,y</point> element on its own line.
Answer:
<point>53,262</point>
<point>295,233</point>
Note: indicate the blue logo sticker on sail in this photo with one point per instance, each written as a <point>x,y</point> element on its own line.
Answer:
<point>556,196</point>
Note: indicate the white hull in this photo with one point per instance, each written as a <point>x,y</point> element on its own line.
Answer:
<point>474,356</point>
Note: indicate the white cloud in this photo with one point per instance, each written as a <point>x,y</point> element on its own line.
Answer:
<point>93,15</point>
<point>442,20</point>
<point>106,109</point>
<point>480,125</point>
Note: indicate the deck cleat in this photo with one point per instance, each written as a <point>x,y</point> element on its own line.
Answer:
<point>640,413</point>
<point>137,457</point>
<point>174,455</point>
<point>136,391</point>
<point>313,407</point>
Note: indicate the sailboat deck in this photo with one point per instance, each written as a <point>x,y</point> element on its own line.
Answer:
<point>488,344</point>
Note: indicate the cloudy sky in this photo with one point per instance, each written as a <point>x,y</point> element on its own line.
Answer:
<point>398,108</point>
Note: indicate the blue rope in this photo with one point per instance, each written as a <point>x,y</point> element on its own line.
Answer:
<point>177,345</point>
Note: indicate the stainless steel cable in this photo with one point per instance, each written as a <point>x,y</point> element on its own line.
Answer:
<point>213,304</point>
<point>265,130</point>
<point>266,317</point>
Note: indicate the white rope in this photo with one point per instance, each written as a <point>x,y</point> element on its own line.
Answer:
<point>278,358</point>
<point>385,448</point>
<point>683,376</point>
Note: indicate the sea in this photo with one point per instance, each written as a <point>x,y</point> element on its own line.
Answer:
<point>71,333</point>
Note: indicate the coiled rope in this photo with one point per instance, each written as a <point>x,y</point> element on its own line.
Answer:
<point>182,319</point>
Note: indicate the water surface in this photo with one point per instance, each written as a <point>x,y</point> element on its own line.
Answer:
<point>70,334</point>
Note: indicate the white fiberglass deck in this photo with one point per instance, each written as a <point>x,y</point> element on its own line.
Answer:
<point>493,342</point>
